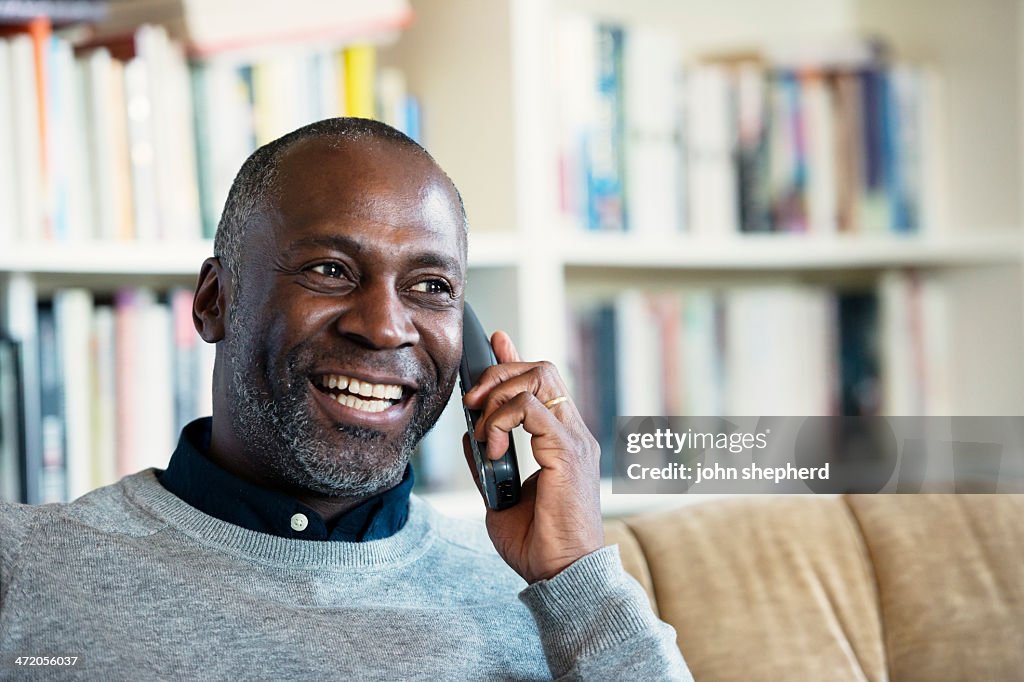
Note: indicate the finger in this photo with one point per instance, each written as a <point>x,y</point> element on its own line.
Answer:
<point>548,434</point>
<point>491,377</point>
<point>542,381</point>
<point>467,452</point>
<point>504,349</point>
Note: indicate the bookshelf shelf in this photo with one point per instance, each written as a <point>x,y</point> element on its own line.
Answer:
<point>117,258</point>
<point>791,252</point>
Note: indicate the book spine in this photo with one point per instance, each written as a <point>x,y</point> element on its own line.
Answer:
<point>9,168</point>
<point>73,311</point>
<point>53,474</point>
<point>605,157</point>
<point>360,75</point>
<point>104,399</point>
<point>752,166</point>
<point>11,416</point>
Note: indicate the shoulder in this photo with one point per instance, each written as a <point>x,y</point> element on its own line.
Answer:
<point>109,510</point>
<point>103,513</point>
<point>469,535</point>
<point>465,543</point>
<point>15,524</point>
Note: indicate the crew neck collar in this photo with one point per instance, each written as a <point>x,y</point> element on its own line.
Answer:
<point>410,542</point>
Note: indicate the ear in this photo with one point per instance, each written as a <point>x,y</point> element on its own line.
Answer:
<point>209,305</point>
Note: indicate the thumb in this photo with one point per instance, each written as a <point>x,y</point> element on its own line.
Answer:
<point>504,349</point>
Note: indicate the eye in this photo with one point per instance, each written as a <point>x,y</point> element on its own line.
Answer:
<point>328,270</point>
<point>432,286</point>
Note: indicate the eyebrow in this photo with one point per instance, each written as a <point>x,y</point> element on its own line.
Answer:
<point>426,259</point>
<point>337,242</point>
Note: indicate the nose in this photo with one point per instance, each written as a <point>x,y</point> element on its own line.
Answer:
<point>378,319</point>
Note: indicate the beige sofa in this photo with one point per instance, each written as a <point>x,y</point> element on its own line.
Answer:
<point>862,587</point>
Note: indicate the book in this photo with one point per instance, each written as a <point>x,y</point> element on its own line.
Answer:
<point>73,310</point>
<point>106,146</point>
<point>22,320</point>
<point>605,143</point>
<point>53,464</point>
<point>653,178</point>
<point>860,362</point>
<point>702,337</point>
<point>817,102</point>
<point>9,170</point>
<point>224,129</point>
<point>28,141</point>
<point>592,123</point>
<point>360,69</point>
<point>752,147</point>
<point>103,362</point>
<point>778,351</point>
<point>11,432</point>
<point>788,174</point>
<point>713,210</point>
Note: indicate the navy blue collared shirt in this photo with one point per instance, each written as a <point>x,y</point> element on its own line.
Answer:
<point>193,477</point>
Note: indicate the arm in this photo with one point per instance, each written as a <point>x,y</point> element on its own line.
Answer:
<point>596,624</point>
<point>594,620</point>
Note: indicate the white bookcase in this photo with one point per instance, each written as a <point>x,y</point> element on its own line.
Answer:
<point>483,71</point>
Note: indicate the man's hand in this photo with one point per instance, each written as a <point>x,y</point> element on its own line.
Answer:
<point>558,517</point>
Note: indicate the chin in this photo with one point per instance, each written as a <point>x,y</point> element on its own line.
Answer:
<point>351,461</point>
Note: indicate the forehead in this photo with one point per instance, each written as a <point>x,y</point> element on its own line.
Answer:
<point>369,188</point>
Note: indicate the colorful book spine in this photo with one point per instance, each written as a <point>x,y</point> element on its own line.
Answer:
<point>605,145</point>
<point>360,72</point>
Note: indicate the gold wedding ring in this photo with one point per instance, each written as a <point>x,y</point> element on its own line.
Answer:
<point>555,401</point>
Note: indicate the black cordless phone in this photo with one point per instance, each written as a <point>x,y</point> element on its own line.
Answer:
<point>499,479</point>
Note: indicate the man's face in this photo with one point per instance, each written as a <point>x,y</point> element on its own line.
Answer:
<point>345,335</point>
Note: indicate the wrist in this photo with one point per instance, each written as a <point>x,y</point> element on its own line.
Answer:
<point>556,567</point>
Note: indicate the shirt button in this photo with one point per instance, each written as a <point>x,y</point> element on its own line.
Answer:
<point>299,522</point>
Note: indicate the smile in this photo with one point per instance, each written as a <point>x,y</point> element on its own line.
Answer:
<point>359,395</point>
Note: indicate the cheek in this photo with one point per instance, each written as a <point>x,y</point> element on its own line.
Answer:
<point>280,334</point>
<point>445,344</point>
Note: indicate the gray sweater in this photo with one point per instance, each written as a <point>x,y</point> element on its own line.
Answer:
<point>141,586</point>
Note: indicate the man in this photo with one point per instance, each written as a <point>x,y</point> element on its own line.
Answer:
<point>282,542</point>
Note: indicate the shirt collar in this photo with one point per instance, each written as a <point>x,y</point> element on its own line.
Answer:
<point>198,481</point>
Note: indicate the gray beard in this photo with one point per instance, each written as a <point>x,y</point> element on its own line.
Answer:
<point>283,436</point>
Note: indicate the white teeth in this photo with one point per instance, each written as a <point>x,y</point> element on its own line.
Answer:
<point>362,405</point>
<point>383,392</point>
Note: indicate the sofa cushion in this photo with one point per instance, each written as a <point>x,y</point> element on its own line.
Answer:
<point>766,588</point>
<point>950,575</point>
